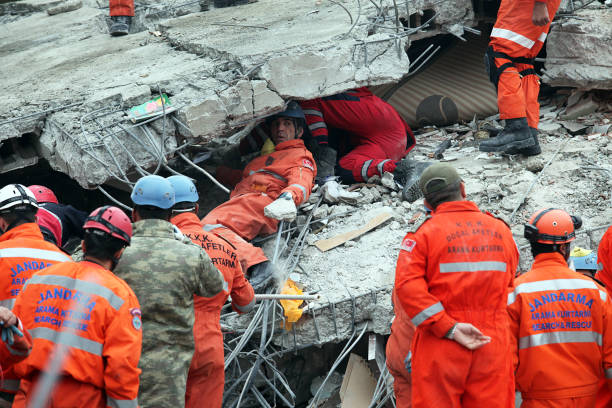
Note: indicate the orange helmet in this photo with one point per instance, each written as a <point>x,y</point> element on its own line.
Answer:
<point>552,226</point>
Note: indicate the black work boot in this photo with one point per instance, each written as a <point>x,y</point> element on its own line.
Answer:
<point>120,26</point>
<point>528,151</point>
<point>204,5</point>
<point>406,175</point>
<point>516,135</point>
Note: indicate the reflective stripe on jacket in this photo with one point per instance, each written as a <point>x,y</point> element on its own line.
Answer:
<point>96,316</point>
<point>561,328</point>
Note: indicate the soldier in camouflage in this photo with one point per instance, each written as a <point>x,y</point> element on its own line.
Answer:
<point>164,269</point>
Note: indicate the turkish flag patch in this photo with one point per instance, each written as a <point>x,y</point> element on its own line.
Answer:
<point>408,244</point>
<point>308,164</point>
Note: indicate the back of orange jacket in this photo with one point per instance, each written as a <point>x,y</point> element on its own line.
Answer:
<point>94,313</point>
<point>23,251</point>
<point>561,331</point>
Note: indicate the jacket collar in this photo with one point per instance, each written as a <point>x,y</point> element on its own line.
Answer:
<point>549,259</point>
<point>27,230</point>
<point>289,144</point>
<point>187,220</point>
<point>451,206</point>
<point>153,228</point>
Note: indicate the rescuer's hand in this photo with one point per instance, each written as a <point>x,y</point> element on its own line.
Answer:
<point>469,336</point>
<point>540,14</point>
<point>7,317</point>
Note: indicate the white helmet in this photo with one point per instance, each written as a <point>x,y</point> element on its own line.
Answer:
<point>16,197</point>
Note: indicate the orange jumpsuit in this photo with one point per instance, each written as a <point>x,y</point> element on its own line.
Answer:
<point>514,36</point>
<point>207,373</point>
<point>289,168</point>
<point>398,350</point>
<point>561,335</point>
<point>604,259</point>
<point>457,267</point>
<point>97,317</point>
<point>23,251</point>
<point>121,7</point>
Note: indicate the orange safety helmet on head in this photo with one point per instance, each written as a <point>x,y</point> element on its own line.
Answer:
<point>552,226</point>
<point>43,194</point>
<point>111,220</point>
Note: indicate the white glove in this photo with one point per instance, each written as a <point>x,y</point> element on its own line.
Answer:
<point>282,209</point>
<point>334,192</point>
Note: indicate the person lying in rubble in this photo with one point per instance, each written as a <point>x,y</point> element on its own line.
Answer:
<point>266,191</point>
<point>358,136</point>
<point>70,218</point>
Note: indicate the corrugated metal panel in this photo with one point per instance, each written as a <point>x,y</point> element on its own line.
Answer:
<point>458,74</point>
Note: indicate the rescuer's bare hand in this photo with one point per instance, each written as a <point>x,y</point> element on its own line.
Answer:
<point>540,14</point>
<point>469,336</point>
<point>7,317</point>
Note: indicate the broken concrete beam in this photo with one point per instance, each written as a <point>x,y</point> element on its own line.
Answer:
<point>578,51</point>
<point>65,7</point>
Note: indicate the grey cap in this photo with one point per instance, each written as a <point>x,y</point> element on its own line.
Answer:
<point>437,177</point>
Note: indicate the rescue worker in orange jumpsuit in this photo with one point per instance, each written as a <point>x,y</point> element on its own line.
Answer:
<point>17,344</point>
<point>283,177</point>
<point>207,372</point>
<point>452,278</point>
<point>95,314</point>
<point>23,251</point>
<point>398,355</point>
<point>604,259</point>
<point>559,320</point>
<point>517,37</point>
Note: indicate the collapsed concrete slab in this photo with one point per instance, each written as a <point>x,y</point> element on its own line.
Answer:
<point>578,50</point>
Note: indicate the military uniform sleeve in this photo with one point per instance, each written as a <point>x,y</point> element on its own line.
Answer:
<point>210,281</point>
<point>243,295</point>
<point>19,350</point>
<point>300,178</point>
<point>423,309</point>
<point>122,348</point>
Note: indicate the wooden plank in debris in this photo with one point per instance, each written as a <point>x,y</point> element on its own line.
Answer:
<point>327,244</point>
<point>358,385</point>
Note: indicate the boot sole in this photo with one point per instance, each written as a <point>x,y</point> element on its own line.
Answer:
<point>516,145</point>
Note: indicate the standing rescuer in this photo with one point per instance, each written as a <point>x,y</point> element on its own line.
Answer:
<point>517,38</point>
<point>604,259</point>
<point>23,251</point>
<point>452,278</point>
<point>559,320</point>
<point>165,270</point>
<point>207,371</point>
<point>84,307</point>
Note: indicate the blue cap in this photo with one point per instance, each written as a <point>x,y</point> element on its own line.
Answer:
<point>184,189</point>
<point>587,262</point>
<point>153,190</point>
<point>294,110</point>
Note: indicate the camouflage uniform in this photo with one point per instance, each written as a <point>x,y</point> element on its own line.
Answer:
<point>165,269</point>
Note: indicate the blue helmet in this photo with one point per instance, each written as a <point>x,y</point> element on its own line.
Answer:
<point>153,190</point>
<point>184,189</point>
<point>585,262</point>
<point>293,110</point>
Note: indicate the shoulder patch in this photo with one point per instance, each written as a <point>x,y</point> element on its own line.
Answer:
<point>136,315</point>
<point>408,244</point>
<point>308,164</point>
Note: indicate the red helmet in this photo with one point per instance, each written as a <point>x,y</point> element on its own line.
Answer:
<point>43,194</point>
<point>552,226</point>
<point>111,220</point>
<point>50,225</point>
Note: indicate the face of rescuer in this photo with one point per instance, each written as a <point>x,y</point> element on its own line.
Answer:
<point>283,129</point>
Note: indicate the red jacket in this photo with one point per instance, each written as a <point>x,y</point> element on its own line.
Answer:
<point>459,261</point>
<point>20,349</point>
<point>222,255</point>
<point>604,259</point>
<point>561,331</point>
<point>100,317</point>
<point>290,168</point>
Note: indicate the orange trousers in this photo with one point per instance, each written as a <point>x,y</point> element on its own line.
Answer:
<point>243,218</point>
<point>579,402</point>
<point>446,374</point>
<point>604,395</point>
<point>206,377</point>
<point>121,8</point>
<point>67,393</point>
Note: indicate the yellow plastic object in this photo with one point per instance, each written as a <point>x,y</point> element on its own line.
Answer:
<point>291,307</point>
<point>580,252</point>
<point>268,147</point>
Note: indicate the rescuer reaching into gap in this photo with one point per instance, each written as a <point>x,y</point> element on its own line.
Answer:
<point>517,38</point>
<point>452,279</point>
<point>559,321</point>
<point>269,189</point>
<point>84,306</point>
<point>207,371</point>
<point>23,251</point>
<point>165,270</point>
